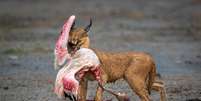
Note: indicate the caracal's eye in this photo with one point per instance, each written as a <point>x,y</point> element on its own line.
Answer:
<point>80,43</point>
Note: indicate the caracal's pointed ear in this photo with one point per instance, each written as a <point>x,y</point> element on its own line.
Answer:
<point>87,28</point>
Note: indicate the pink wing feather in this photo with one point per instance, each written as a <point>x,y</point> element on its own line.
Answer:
<point>61,51</point>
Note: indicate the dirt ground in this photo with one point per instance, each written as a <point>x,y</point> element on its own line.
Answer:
<point>170,30</point>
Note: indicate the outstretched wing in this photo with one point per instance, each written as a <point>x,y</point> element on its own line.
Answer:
<point>61,51</point>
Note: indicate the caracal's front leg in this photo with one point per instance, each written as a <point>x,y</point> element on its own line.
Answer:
<point>82,90</point>
<point>99,91</point>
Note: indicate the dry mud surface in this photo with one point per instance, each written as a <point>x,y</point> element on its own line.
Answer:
<point>170,30</point>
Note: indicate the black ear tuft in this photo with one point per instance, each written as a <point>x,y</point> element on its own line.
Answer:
<point>87,28</point>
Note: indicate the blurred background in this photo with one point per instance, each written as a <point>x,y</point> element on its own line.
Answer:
<point>170,30</point>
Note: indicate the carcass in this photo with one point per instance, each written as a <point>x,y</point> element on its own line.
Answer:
<point>67,81</point>
<point>79,62</point>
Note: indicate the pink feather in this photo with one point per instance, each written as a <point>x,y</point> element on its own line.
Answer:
<point>61,51</point>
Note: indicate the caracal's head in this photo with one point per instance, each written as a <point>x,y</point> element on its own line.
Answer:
<point>78,38</point>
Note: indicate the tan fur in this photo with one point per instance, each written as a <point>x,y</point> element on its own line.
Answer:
<point>136,68</point>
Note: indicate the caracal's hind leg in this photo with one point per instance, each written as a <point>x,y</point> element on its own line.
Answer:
<point>82,90</point>
<point>137,83</point>
<point>139,87</point>
<point>159,86</point>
